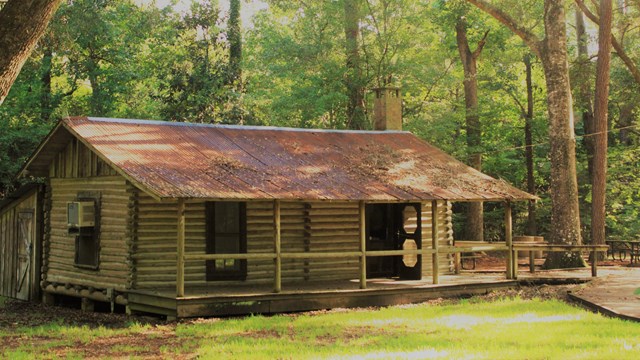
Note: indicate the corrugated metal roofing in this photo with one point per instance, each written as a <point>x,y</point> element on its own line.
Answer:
<point>181,160</point>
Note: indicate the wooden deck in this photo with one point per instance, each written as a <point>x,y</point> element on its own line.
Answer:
<point>236,300</point>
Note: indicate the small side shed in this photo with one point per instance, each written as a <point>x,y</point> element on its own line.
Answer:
<point>20,232</point>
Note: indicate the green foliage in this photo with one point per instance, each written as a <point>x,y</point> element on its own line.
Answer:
<point>17,139</point>
<point>191,66</point>
<point>623,193</point>
<point>121,59</point>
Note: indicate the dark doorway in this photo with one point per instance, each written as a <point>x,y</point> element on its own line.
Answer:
<point>389,227</point>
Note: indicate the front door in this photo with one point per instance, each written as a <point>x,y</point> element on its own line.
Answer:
<point>24,244</point>
<point>393,227</point>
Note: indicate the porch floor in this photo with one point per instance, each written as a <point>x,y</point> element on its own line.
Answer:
<point>225,299</point>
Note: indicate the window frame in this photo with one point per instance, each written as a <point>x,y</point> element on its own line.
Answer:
<point>212,273</point>
<point>92,232</point>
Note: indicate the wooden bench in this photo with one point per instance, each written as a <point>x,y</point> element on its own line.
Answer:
<point>471,250</point>
<point>469,257</point>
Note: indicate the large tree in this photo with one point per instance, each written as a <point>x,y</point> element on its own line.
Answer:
<point>235,42</point>
<point>474,221</point>
<point>22,23</point>
<point>584,85</point>
<point>617,45</point>
<point>355,88</point>
<point>552,51</point>
<point>601,103</point>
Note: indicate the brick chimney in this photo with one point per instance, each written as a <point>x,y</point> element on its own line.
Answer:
<point>387,109</point>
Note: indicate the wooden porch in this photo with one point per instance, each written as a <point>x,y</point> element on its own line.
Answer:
<point>238,299</point>
<point>430,250</point>
<point>233,298</point>
<point>223,300</point>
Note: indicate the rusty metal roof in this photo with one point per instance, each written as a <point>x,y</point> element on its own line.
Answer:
<point>183,160</point>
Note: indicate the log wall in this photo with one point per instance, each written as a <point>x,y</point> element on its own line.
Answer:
<point>155,242</point>
<point>305,227</point>
<point>77,170</point>
<point>113,269</point>
<point>445,237</point>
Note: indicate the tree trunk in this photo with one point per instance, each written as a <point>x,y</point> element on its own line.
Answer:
<point>98,101</point>
<point>626,121</point>
<point>474,220</point>
<point>565,213</point>
<point>601,103</point>
<point>235,43</point>
<point>552,51</point>
<point>622,54</point>
<point>22,23</point>
<point>532,226</point>
<point>236,114</point>
<point>355,88</point>
<point>45,96</point>
<point>585,92</point>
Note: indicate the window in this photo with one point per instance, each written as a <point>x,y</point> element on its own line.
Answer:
<point>87,238</point>
<point>226,234</point>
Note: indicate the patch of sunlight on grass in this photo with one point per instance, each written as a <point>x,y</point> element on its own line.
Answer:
<point>416,354</point>
<point>467,321</point>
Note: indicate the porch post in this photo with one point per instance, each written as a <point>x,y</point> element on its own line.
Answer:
<point>511,272</point>
<point>277,284</point>
<point>180,250</point>
<point>434,241</point>
<point>363,245</point>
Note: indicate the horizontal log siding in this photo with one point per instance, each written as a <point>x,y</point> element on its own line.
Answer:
<point>156,231</point>
<point>445,237</point>
<point>333,227</point>
<point>314,227</point>
<point>260,240</point>
<point>113,270</point>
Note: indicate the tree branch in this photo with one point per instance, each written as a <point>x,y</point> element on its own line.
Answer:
<point>480,46</point>
<point>527,36</point>
<point>633,69</point>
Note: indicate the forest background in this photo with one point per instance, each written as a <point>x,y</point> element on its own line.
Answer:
<point>298,64</point>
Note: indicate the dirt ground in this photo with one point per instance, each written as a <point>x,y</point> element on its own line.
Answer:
<point>160,335</point>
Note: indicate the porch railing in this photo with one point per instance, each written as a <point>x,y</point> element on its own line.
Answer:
<point>277,255</point>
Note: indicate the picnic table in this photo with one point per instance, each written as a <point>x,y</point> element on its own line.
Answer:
<point>623,247</point>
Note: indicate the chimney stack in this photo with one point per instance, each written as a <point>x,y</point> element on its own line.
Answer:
<point>387,109</point>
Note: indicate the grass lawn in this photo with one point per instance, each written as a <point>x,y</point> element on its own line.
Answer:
<point>508,328</point>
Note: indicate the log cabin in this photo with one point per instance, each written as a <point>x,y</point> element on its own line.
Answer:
<point>184,220</point>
